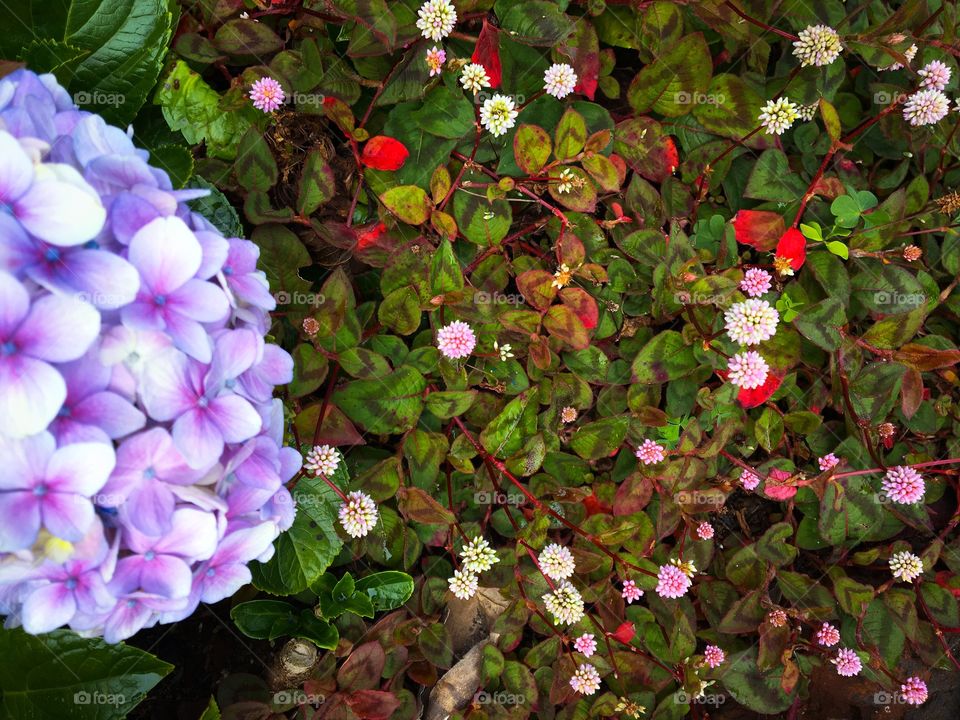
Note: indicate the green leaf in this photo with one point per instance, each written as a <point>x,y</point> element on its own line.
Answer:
<point>446,404</point>
<point>216,209</point>
<point>820,323</point>
<point>255,167</point>
<point>387,590</point>
<point>599,439</point>
<point>666,357</point>
<point>193,108</point>
<point>772,179</point>
<point>62,675</point>
<point>531,148</point>
<point>176,160</point>
<point>942,604</point>
<point>890,289</point>
<point>757,690</point>
<point>400,310</point>
<point>852,596</point>
<point>317,184</point>
<point>482,222</point>
<point>774,546</point>
<point>391,404</point>
<point>108,53</point>
<point>434,642</point>
<point>265,619</point>
<point>505,434</point>
<point>246,39</point>
<point>769,429</point>
<point>571,134</point>
<point>534,22</point>
<point>729,107</point>
<point>409,203</point>
<point>563,323</point>
<point>445,273</point>
<point>446,113</point>
<point>212,712</point>
<point>673,82</point>
<point>305,551</point>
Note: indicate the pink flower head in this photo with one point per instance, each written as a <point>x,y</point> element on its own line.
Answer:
<point>749,480</point>
<point>435,60</point>
<point>713,656</point>
<point>926,107</point>
<point>456,340</point>
<point>777,618</point>
<point>267,95</point>
<point>586,680</point>
<point>828,462</point>
<point>631,593</point>
<point>704,531</point>
<point>847,662</point>
<point>828,635</point>
<point>585,644</point>
<point>672,582</point>
<point>904,485</point>
<point>748,370</point>
<point>914,691</point>
<point>755,282</point>
<point>935,75</point>
<point>650,452</point>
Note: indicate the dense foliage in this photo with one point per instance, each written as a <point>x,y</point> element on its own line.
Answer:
<point>624,337</point>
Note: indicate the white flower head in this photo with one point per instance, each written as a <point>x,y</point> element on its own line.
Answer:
<point>478,556</point>
<point>322,460</point>
<point>463,584</point>
<point>817,45</point>
<point>559,80</point>
<point>437,19</point>
<point>556,562</point>
<point>778,115</point>
<point>906,566</point>
<point>474,78</point>
<point>498,114</point>
<point>564,603</point>
<point>358,515</point>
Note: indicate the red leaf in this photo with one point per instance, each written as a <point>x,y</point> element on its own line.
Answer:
<point>594,506</point>
<point>759,229</point>
<point>487,53</point>
<point>370,236</point>
<point>758,396</point>
<point>373,704</point>
<point>583,48</point>
<point>943,580</point>
<point>793,245</point>
<point>384,153</point>
<point>775,487</point>
<point>582,304</point>
<point>624,633</point>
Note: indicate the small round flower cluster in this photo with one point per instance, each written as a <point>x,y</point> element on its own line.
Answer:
<point>358,514</point>
<point>477,557</point>
<point>713,656</point>
<point>631,593</point>
<point>906,566</point>
<point>556,562</point>
<point>777,618</point>
<point>705,531</point>
<point>267,94</point>
<point>777,116</point>
<point>436,19</point>
<point>559,80</point>
<point>142,445</point>
<point>914,691</point>
<point>564,603</point>
<point>498,114</point>
<point>755,282</point>
<point>585,644</point>
<point>322,460</point>
<point>749,480</point>
<point>817,45</point>
<point>904,485</point>
<point>586,680</point>
<point>748,370</point>
<point>828,462</point>
<point>650,452</point>
<point>751,322</point>
<point>847,662</point>
<point>673,580</point>
<point>456,340</point>
<point>828,635</point>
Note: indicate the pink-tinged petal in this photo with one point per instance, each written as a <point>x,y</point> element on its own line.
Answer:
<point>17,250</point>
<point>68,431</point>
<point>193,535</point>
<point>167,391</point>
<point>16,169</point>
<point>82,468</point>
<point>215,250</point>
<point>150,508</point>
<point>47,608</point>
<point>234,352</point>
<point>242,546</point>
<point>60,213</point>
<point>66,515</point>
<point>254,289</point>
<point>58,329</point>
<point>26,509</point>
<point>290,463</point>
<point>222,581</point>
<point>31,393</point>
<point>23,462</point>
<point>199,300</point>
<point>14,303</point>
<point>235,417</point>
<point>129,616</point>
<point>111,412</point>
<point>128,214</point>
<point>166,253</point>
<point>189,336</point>
<point>106,280</point>
<point>166,575</point>
<point>143,315</point>
<point>198,438</point>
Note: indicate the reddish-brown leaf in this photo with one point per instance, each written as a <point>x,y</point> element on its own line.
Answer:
<point>760,229</point>
<point>487,53</point>
<point>384,153</point>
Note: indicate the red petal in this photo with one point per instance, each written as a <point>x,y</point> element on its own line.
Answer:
<point>758,396</point>
<point>793,245</point>
<point>595,507</point>
<point>625,633</point>
<point>384,153</point>
<point>487,53</point>
<point>758,228</point>
<point>370,236</point>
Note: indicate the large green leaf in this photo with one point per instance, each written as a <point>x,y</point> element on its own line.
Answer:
<point>760,691</point>
<point>391,404</point>
<point>108,53</point>
<point>666,357</point>
<point>387,590</point>
<point>62,675</point>
<point>675,81</point>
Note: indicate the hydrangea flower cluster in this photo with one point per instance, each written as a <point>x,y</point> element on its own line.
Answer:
<point>141,458</point>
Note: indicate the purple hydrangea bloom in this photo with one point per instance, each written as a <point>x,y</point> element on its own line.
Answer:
<point>142,464</point>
